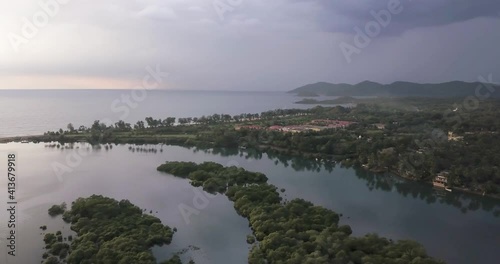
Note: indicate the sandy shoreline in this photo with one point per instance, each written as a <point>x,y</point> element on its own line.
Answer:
<point>19,138</point>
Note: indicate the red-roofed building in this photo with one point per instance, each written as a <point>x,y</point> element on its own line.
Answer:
<point>249,127</point>
<point>276,128</point>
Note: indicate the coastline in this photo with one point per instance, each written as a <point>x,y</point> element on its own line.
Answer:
<point>459,189</point>
<point>263,148</point>
<point>31,138</point>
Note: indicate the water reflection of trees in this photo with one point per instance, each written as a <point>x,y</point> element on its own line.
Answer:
<point>386,182</point>
<point>463,201</point>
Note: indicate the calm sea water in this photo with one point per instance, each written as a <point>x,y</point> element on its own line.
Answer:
<point>32,112</point>
<point>455,227</point>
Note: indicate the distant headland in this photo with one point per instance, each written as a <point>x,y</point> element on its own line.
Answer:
<point>401,89</point>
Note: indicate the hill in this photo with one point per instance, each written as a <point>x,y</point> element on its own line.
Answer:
<point>398,89</point>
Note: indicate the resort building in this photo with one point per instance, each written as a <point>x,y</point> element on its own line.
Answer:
<point>441,180</point>
<point>452,137</point>
<point>276,128</point>
<point>249,127</point>
<point>331,123</point>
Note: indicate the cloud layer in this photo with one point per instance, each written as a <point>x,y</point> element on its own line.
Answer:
<point>243,45</point>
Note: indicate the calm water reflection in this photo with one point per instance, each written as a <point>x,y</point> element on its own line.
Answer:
<point>459,228</point>
<point>385,182</point>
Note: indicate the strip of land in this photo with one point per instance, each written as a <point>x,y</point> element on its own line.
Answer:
<point>293,231</point>
<point>416,138</point>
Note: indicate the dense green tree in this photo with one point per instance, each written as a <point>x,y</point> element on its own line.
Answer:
<point>57,209</point>
<point>296,231</point>
<point>109,231</point>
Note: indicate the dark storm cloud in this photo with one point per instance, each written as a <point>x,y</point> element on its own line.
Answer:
<point>254,45</point>
<point>343,16</point>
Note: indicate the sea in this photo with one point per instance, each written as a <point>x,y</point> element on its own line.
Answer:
<point>33,112</point>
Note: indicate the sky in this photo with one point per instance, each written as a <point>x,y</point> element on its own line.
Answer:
<point>256,45</point>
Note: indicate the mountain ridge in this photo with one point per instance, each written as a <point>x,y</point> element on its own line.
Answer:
<point>401,89</point>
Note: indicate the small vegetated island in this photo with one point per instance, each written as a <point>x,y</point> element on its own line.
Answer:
<point>107,231</point>
<point>296,231</point>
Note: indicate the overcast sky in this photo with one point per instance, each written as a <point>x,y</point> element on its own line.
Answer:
<point>245,44</point>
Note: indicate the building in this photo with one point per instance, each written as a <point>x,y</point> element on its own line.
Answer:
<point>294,129</point>
<point>313,128</point>
<point>452,137</point>
<point>331,123</point>
<point>249,127</point>
<point>441,180</point>
<point>276,128</point>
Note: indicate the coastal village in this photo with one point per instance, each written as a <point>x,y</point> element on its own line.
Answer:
<point>314,125</point>
<point>440,181</point>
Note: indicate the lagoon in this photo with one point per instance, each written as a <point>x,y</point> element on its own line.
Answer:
<point>455,227</point>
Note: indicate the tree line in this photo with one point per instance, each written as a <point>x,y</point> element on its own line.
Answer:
<point>108,231</point>
<point>295,231</point>
<point>413,141</point>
